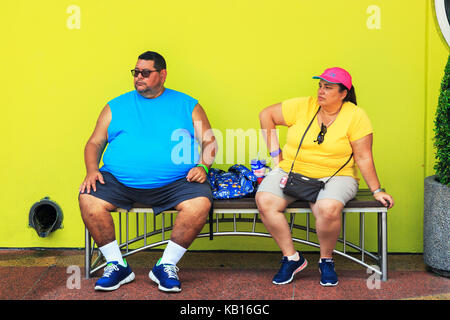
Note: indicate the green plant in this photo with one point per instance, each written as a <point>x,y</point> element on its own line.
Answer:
<point>442,130</point>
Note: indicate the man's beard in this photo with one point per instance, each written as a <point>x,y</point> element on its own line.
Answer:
<point>143,89</point>
<point>147,91</point>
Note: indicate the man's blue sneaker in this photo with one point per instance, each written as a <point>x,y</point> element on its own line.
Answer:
<point>288,269</point>
<point>114,276</point>
<point>328,276</point>
<point>165,275</point>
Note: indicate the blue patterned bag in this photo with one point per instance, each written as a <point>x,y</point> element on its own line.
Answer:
<point>238,182</point>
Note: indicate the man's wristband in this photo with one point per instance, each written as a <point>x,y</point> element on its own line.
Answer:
<point>275,153</point>
<point>378,190</point>
<point>204,167</point>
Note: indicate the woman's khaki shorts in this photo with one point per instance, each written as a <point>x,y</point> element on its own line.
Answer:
<point>341,188</point>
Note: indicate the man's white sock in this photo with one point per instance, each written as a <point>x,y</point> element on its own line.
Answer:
<point>111,252</point>
<point>172,254</point>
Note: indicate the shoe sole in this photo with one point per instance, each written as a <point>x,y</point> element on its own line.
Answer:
<point>160,287</point>
<point>328,284</point>
<point>128,279</point>
<point>303,266</point>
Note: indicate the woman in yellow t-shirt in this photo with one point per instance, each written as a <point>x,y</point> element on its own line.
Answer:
<point>339,129</point>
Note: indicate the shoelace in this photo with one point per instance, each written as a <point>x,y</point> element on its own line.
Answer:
<point>283,260</point>
<point>284,264</point>
<point>327,266</point>
<point>171,271</point>
<point>109,270</point>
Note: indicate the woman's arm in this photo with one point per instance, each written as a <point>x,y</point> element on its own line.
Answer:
<point>362,152</point>
<point>269,118</point>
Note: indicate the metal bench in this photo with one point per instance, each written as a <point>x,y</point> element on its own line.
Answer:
<point>234,215</point>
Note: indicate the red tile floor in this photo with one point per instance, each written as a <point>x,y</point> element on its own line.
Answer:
<point>55,274</point>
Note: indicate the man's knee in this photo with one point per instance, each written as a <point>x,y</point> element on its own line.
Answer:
<point>198,206</point>
<point>194,211</point>
<point>192,215</point>
<point>91,206</point>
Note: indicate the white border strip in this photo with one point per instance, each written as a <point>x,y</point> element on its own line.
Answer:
<point>441,15</point>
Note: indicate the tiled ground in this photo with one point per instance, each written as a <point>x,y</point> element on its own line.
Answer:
<point>50,275</point>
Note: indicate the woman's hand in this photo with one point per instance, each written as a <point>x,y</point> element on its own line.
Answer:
<point>385,198</point>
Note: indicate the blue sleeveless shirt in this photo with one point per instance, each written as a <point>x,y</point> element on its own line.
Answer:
<point>151,142</point>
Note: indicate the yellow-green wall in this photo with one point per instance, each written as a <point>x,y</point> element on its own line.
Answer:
<point>236,57</point>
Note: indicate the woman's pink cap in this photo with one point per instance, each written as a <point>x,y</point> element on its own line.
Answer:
<point>336,75</point>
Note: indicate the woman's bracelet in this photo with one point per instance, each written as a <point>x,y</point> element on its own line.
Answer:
<point>378,190</point>
<point>275,153</point>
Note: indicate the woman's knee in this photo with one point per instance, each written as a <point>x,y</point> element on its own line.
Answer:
<point>262,200</point>
<point>329,209</point>
<point>267,202</point>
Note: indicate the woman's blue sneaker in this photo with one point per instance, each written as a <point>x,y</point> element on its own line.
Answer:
<point>288,269</point>
<point>328,276</point>
<point>165,275</point>
<point>114,276</point>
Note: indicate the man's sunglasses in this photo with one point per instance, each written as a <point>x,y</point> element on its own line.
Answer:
<point>145,73</point>
<point>321,135</point>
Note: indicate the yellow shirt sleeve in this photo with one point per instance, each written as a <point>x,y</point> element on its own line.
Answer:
<point>292,109</point>
<point>360,125</point>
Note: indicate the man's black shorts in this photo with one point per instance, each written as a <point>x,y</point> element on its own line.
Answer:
<point>160,199</point>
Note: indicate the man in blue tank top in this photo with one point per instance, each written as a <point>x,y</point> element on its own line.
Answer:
<point>145,162</point>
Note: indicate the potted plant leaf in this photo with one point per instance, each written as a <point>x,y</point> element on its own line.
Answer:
<point>436,224</point>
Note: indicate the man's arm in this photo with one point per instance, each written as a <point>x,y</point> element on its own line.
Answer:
<point>94,150</point>
<point>205,137</point>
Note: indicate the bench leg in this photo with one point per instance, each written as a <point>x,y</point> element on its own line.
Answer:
<point>211,223</point>
<point>87,254</point>
<point>382,243</point>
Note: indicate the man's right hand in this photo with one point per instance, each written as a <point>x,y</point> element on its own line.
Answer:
<point>91,180</point>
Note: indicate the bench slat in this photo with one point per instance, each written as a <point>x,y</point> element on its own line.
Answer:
<point>363,199</point>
